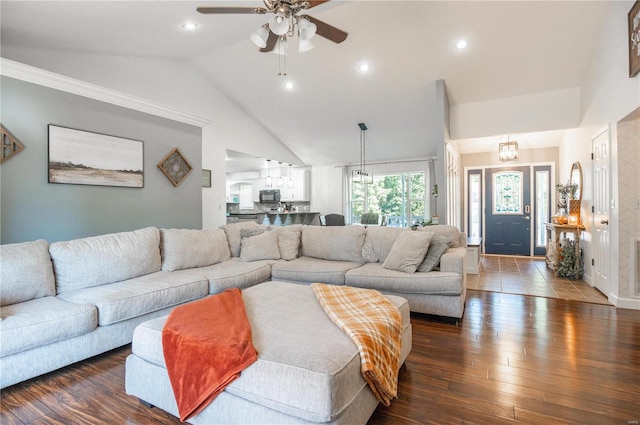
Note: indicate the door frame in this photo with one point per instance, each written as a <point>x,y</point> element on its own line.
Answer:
<point>483,168</point>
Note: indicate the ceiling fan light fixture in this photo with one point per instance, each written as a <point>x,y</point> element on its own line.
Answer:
<point>279,24</point>
<point>260,36</point>
<point>306,29</point>
<point>281,47</point>
<point>304,45</point>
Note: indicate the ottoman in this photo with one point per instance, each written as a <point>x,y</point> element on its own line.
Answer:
<point>307,372</point>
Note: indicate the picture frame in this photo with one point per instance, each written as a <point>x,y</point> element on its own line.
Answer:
<point>634,39</point>
<point>175,166</point>
<point>87,158</point>
<point>206,178</point>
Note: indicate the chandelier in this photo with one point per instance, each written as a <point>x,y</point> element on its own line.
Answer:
<point>284,23</point>
<point>361,175</point>
<point>508,151</point>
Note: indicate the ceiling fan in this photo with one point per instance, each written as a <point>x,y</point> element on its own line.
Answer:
<point>283,23</point>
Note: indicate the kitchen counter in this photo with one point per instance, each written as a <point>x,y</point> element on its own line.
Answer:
<point>276,218</point>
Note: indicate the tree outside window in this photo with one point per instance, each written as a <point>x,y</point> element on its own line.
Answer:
<point>399,197</point>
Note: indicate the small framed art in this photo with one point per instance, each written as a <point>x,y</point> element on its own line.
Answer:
<point>206,178</point>
<point>175,166</point>
<point>634,39</point>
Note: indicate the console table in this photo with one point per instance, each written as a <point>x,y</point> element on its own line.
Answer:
<point>554,231</point>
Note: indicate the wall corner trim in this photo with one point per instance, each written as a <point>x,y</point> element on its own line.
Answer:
<point>31,74</point>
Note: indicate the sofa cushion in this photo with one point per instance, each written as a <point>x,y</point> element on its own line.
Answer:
<point>25,272</point>
<point>187,248</point>
<point>234,274</point>
<point>438,246</point>
<point>446,231</point>
<point>43,321</point>
<point>312,379</point>
<point>135,297</point>
<point>98,260</point>
<point>233,234</point>
<point>338,243</point>
<point>263,246</point>
<point>408,251</point>
<point>374,276</point>
<point>378,242</point>
<point>309,270</point>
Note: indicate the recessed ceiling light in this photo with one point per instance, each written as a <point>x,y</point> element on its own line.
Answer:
<point>364,67</point>
<point>462,44</point>
<point>288,85</point>
<point>189,26</point>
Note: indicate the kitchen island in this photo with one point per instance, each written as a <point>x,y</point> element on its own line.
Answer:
<point>276,218</point>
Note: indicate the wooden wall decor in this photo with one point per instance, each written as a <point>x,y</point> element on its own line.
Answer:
<point>9,145</point>
<point>175,166</point>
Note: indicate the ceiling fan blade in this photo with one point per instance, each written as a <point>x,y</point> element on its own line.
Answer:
<point>271,43</point>
<point>229,10</point>
<point>314,3</point>
<point>327,31</point>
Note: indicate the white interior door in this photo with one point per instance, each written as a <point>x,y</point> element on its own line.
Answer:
<point>601,234</point>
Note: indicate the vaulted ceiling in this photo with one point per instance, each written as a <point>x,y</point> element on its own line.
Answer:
<point>514,48</point>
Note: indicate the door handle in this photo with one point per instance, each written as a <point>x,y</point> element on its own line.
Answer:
<point>604,222</point>
<point>526,217</point>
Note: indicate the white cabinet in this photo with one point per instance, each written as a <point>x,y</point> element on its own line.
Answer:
<point>472,260</point>
<point>300,189</point>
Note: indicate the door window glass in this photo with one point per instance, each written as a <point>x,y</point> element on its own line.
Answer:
<point>507,192</point>
<point>542,206</point>
<point>475,204</point>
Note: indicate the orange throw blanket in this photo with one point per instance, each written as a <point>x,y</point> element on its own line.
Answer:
<point>374,324</point>
<point>206,345</point>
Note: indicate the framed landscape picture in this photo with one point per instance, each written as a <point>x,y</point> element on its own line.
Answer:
<point>83,157</point>
<point>634,39</point>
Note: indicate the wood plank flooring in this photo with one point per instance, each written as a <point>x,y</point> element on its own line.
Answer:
<point>511,359</point>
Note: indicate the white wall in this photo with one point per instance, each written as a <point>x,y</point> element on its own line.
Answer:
<point>178,85</point>
<point>608,95</point>
<point>326,190</point>
<point>553,110</point>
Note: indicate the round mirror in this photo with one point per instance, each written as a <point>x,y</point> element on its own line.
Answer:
<point>576,178</point>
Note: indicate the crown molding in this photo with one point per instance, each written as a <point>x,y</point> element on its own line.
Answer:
<point>31,74</point>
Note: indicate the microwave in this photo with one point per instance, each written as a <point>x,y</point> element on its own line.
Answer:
<point>270,195</point>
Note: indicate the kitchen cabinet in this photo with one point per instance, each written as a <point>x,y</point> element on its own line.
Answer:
<point>300,190</point>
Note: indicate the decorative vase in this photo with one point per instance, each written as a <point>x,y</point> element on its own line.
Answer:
<point>561,216</point>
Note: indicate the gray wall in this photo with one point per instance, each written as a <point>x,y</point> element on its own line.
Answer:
<point>32,208</point>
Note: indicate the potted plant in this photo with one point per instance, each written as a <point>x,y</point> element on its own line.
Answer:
<point>567,267</point>
<point>566,192</point>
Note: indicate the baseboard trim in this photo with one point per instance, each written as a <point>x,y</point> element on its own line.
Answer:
<point>628,303</point>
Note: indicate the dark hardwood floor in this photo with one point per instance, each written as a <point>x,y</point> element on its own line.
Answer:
<point>511,359</point>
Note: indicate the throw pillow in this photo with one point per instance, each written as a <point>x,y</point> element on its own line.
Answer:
<point>408,251</point>
<point>289,244</point>
<point>437,247</point>
<point>260,247</point>
<point>233,234</point>
<point>247,233</point>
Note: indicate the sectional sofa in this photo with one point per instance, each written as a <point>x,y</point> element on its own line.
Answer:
<point>67,301</point>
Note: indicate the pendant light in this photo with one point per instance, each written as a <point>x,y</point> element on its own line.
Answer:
<point>290,181</point>
<point>268,181</point>
<point>362,175</point>
<point>280,179</point>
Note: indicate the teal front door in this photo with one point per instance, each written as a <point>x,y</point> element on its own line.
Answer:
<point>508,211</point>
